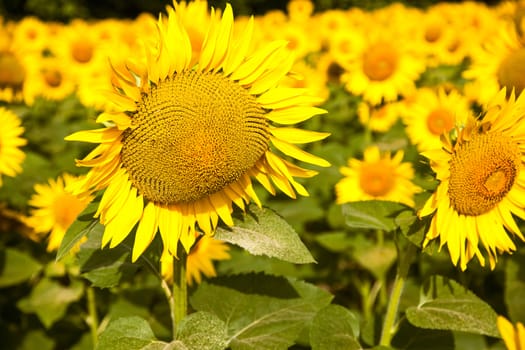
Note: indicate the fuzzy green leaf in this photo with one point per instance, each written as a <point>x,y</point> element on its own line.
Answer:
<point>128,333</point>
<point>16,267</point>
<point>373,214</point>
<point>261,312</point>
<point>202,331</point>
<point>49,300</point>
<point>447,305</point>
<point>334,327</point>
<point>105,268</point>
<point>263,232</point>
<point>78,229</point>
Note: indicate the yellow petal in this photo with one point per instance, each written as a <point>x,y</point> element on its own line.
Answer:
<point>297,153</point>
<point>146,230</point>
<point>294,115</point>
<point>298,136</point>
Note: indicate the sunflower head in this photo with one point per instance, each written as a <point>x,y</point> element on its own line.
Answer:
<point>481,175</point>
<point>190,129</point>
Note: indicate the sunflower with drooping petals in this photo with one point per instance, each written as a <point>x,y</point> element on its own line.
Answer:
<point>379,176</point>
<point>54,208</point>
<point>482,184</point>
<point>185,140</point>
<point>11,156</point>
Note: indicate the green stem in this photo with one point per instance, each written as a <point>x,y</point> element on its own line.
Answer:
<point>92,311</point>
<point>180,290</point>
<point>389,323</point>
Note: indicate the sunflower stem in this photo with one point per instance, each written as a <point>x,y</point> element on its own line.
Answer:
<point>93,316</point>
<point>389,323</point>
<point>180,290</point>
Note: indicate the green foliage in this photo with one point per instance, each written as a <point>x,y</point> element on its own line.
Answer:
<point>334,327</point>
<point>446,305</point>
<point>16,267</point>
<point>263,232</point>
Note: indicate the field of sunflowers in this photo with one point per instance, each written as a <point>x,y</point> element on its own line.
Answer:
<point>303,177</point>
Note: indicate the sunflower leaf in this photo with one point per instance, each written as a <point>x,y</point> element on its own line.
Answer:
<point>373,214</point>
<point>334,327</point>
<point>260,311</point>
<point>50,300</point>
<point>447,305</point>
<point>82,226</point>
<point>202,331</point>
<point>261,231</point>
<point>16,267</point>
<point>105,268</point>
<point>128,333</point>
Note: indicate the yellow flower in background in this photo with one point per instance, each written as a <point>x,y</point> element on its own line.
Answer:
<point>49,78</point>
<point>378,118</point>
<point>498,63</point>
<point>54,208</point>
<point>200,260</point>
<point>432,113</point>
<point>383,71</point>
<point>482,184</point>
<point>378,176</point>
<point>185,140</point>
<point>513,336</point>
<point>11,156</point>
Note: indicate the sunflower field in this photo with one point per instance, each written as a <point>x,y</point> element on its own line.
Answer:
<point>262,175</point>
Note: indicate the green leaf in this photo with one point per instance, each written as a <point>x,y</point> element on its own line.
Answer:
<point>447,305</point>
<point>16,267</point>
<point>515,286</point>
<point>373,214</point>
<point>263,232</point>
<point>334,327</point>
<point>337,242</point>
<point>49,300</point>
<point>261,312</point>
<point>78,229</point>
<point>203,331</point>
<point>128,333</point>
<point>377,259</point>
<point>105,268</point>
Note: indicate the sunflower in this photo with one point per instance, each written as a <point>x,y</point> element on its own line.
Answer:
<point>432,113</point>
<point>185,140</point>
<point>48,77</point>
<point>481,184</point>
<point>383,71</point>
<point>379,176</point>
<point>378,118</point>
<point>200,259</point>
<point>11,156</point>
<point>498,63</point>
<point>55,208</point>
<point>513,336</point>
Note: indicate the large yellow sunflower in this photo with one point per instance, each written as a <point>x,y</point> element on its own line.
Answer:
<point>482,183</point>
<point>378,176</point>
<point>513,336</point>
<point>185,140</point>
<point>55,208</point>
<point>11,156</point>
